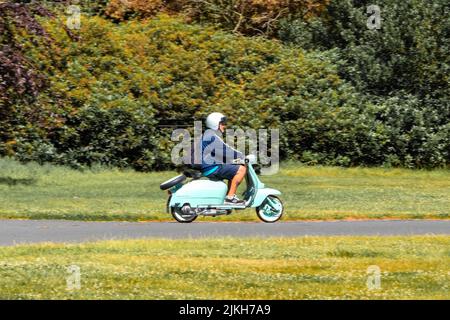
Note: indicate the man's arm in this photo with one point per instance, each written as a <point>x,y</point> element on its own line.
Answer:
<point>216,151</point>
<point>225,152</point>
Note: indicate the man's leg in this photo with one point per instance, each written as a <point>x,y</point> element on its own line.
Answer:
<point>237,179</point>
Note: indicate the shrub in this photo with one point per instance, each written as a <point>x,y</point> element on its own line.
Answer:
<point>112,88</point>
<point>250,17</point>
<point>408,53</point>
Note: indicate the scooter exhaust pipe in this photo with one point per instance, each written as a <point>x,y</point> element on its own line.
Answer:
<point>213,212</point>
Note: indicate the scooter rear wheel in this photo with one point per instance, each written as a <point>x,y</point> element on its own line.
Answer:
<point>181,217</point>
<point>271,209</point>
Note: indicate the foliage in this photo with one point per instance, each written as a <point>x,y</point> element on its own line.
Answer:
<point>250,17</point>
<point>402,67</point>
<point>409,52</point>
<point>110,90</point>
<point>16,77</point>
<point>123,10</point>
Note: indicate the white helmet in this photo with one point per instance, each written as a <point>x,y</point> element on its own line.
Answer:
<point>214,119</point>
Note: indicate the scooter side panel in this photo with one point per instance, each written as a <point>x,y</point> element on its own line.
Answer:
<point>261,194</point>
<point>200,192</point>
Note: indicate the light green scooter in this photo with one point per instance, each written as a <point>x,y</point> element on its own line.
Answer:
<point>202,196</point>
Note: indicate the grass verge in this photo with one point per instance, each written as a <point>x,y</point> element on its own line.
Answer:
<point>415,267</point>
<point>32,191</point>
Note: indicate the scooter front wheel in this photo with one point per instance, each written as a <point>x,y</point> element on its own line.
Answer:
<point>271,209</point>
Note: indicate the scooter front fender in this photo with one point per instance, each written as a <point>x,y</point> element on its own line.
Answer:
<point>261,194</point>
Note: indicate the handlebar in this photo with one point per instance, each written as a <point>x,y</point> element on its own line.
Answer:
<point>240,161</point>
<point>251,158</point>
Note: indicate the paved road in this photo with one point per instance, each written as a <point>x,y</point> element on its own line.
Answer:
<point>31,231</point>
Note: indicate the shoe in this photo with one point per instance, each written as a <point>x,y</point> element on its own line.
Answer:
<point>233,200</point>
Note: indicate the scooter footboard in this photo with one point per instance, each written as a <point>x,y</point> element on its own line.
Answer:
<point>261,194</point>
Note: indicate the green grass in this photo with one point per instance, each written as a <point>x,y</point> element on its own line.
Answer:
<point>52,192</point>
<point>274,268</point>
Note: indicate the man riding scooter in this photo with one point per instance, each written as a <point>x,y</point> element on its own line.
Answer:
<point>217,157</point>
<point>190,195</point>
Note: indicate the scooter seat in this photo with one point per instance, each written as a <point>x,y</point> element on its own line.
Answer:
<point>194,174</point>
<point>172,182</point>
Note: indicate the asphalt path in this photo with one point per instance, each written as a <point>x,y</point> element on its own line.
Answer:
<point>14,232</point>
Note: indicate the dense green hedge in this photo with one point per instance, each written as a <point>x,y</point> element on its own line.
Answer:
<point>409,52</point>
<point>403,68</point>
<point>108,94</point>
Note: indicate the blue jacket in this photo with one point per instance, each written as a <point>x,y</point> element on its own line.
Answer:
<point>216,152</point>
